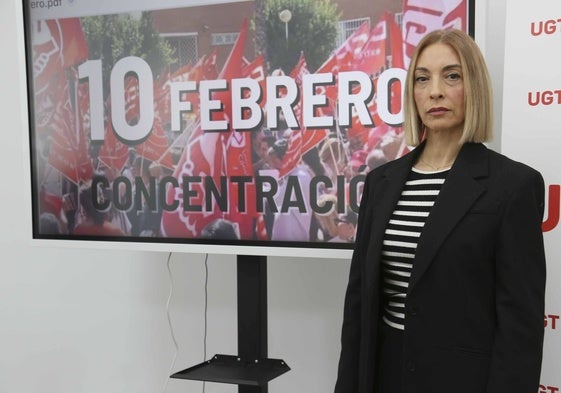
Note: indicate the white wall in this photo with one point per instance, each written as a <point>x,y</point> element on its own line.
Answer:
<point>85,320</point>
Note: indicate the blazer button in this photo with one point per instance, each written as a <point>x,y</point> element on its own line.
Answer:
<point>410,366</point>
<point>413,310</point>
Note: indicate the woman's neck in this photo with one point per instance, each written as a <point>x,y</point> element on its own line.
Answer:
<point>438,153</point>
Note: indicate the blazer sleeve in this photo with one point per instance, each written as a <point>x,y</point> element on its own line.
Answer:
<point>348,370</point>
<point>520,290</point>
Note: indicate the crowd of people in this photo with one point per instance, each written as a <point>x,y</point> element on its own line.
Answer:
<point>339,154</point>
<point>78,214</point>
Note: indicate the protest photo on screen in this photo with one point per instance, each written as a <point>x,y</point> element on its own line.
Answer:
<point>241,123</point>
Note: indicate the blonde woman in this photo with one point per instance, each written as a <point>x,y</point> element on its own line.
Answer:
<point>447,279</point>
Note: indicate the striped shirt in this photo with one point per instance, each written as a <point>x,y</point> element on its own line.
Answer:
<point>401,238</point>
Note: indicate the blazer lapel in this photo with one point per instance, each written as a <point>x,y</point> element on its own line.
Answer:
<point>460,190</point>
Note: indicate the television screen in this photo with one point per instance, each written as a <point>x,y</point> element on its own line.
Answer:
<point>241,126</point>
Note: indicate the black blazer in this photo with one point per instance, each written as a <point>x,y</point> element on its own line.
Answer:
<point>475,302</point>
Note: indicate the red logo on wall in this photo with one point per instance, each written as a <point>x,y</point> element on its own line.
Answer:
<point>546,97</point>
<point>552,211</point>
<point>549,26</point>
<point>550,321</point>
<point>548,389</point>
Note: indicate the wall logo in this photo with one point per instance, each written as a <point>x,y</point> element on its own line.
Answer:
<point>550,26</point>
<point>548,389</point>
<point>552,211</point>
<point>546,97</point>
<point>551,321</point>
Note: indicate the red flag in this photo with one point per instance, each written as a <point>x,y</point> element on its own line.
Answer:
<point>201,157</point>
<point>67,153</point>
<point>261,232</point>
<point>372,58</point>
<point>421,17</point>
<point>156,147</point>
<point>293,153</point>
<point>351,49</point>
<point>234,64</point>
<point>181,73</point>
<point>209,70</point>
<point>357,129</point>
<point>397,60</point>
<point>385,43</point>
<point>84,118</point>
<point>310,138</point>
<point>300,69</point>
<point>204,69</point>
<point>85,167</point>
<point>113,153</point>
<point>162,99</point>
<point>256,71</point>
<point>45,104</point>
<point>57,44</point>
<point>242,200</point>
<point>343,58</point>
<point>233,68</point>
<point>395,44</point>
<point>302,140</point>
<point>204,156</point>
<point>298,73</point>
<point>237,145</point>
<point>456,17</point>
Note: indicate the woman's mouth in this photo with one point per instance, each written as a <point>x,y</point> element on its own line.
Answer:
<point>437,111</point>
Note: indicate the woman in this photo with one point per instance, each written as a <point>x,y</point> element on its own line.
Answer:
<point>447,280</point>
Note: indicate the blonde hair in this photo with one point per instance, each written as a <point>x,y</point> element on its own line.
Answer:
<point>478,95</point>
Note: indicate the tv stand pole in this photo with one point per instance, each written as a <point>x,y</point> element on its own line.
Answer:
<point>252,312</point>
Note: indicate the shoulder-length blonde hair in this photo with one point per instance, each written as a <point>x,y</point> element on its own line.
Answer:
<point>478,95</point>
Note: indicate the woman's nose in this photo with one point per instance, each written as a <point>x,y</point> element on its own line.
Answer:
<point>436,90</point>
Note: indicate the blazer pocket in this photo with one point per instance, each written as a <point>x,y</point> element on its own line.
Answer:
<point>485,219</point>
<point>484,212</point>
<point>488,209</point>
<point>485,207</point>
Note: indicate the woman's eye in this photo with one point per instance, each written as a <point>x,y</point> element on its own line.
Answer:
<point>454,76</point>
<point>421,78</point>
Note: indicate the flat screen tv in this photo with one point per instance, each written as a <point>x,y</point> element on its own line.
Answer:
<point>243,127</point>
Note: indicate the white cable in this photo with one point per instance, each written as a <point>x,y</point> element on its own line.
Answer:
<point>205,314</point>
<point>172,333</point>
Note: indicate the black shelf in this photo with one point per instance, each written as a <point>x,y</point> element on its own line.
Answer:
<point>250,369</point>
<point>235,370</point>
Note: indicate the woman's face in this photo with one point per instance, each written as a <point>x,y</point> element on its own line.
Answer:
<point>439,89</point>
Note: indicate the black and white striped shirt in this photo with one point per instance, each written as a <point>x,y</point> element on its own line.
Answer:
<point>401,238</point>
